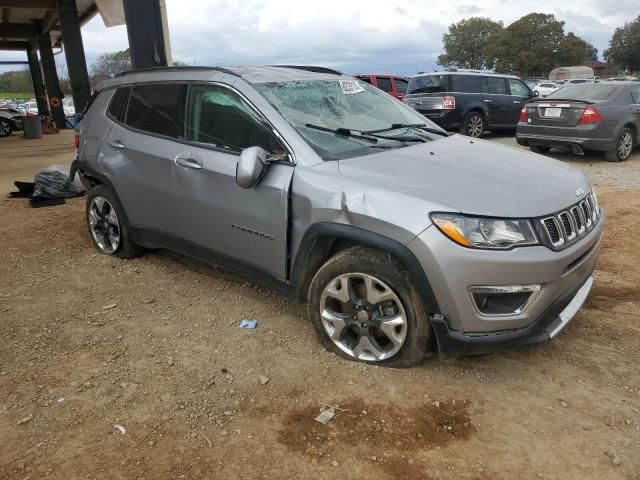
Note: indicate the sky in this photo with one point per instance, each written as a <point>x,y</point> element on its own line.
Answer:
<point>354,36</point>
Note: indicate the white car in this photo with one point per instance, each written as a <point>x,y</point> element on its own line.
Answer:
<point>545,88</point>
<point>31,108</point>
<point>68,107</point>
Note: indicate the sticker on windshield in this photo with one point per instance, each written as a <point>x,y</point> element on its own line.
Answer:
<point>350,86</point>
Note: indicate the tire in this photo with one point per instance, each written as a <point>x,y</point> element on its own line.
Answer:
<point>106,221</point>
<point>357,327</point>
<point>624,146</point>
<point>539,149</point>
<point>474,125</point>
<point>5,127</point>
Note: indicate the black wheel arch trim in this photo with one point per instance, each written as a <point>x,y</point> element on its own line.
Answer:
<point>299,272</point>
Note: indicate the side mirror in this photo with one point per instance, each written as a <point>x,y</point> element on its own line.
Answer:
<point>251,167</point>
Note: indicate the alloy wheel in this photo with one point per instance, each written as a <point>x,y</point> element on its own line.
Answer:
<point>5,128</point>
<point>363,317</point>
<point>104,225</point>
<point>625,145</point>
<point>475,126</point>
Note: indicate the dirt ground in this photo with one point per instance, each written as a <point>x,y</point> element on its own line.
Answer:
<point>153,345</point>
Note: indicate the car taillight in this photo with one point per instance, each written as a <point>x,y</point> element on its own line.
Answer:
<point>76,141</point>
<point>523,115</point>
<point>449,103</point>
<point>590,115</point>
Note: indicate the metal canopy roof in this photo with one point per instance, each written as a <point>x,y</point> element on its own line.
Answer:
<point>21,21</point>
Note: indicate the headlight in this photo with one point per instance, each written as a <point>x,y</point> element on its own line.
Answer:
<point>492,233</point>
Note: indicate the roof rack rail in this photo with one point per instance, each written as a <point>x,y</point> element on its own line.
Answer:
<point>175,69</point>
<point>311,68</point>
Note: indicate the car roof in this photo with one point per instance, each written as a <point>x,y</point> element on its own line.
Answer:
<point>391,75</point>
<point>251,74</point>
<point>461,72</point>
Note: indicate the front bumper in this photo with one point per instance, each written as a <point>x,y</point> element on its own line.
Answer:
<point>452,270</point>
<point>548,326</point>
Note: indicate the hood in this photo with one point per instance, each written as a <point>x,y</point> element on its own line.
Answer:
<point>473,176</point>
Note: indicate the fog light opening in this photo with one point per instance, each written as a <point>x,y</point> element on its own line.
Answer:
<point>503,300</point>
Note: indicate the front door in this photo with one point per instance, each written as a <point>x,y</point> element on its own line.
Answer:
<point>498,102</point>
<point>246,225</point>
<point>520,95</point>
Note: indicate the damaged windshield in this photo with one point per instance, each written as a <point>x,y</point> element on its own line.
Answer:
<point>338,117</point>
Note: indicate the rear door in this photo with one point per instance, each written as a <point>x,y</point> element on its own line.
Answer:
<point>248,225</point>
<point>498,102</point>
<point>139,154</point>
<point>520,95</point>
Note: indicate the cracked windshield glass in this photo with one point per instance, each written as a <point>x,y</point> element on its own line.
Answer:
<point>346,118</point>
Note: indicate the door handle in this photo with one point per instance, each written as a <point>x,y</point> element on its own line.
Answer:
<point>116,144</point>
<point>188,163</point>
<point>487,100</point>
<point>516,101</point>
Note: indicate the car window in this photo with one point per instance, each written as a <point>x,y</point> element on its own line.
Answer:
<point>584,92</point>
<point>366,78</point>
<point>466,83</point>
<point>384,84</point>
<point>635,94</point>
<point>401,85</point>
<point>428,84</point>
<point>219,117</point>
<point>518,88</point>
<point>496,85</point>
<point>157,109</point>
<point>118,105</point>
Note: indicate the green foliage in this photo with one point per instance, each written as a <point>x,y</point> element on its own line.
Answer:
<point>108,65</point>
<point>624,47</point>
<point>465,45</point>
<point>16,81</point>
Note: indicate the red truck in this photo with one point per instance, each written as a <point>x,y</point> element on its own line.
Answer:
<point>393,85</point>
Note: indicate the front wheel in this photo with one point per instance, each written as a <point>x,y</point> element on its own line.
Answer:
<point>624,147</point>
<point>474,125</point>
<point>364,307</point>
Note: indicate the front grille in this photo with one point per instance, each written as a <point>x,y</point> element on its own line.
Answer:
<point>567,226</point>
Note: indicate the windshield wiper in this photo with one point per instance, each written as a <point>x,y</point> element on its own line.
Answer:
<point>398,126</point>
<point>344,132</point>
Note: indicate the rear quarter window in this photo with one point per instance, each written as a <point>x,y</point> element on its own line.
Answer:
<point>428,84</point>
<point>118,105</point>
<point>466,84</point>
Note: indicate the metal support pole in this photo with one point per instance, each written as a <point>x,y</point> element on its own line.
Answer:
<point>51,80</point>
<point>38,84</point>
<point>147,33</point>
<point>74,53</point>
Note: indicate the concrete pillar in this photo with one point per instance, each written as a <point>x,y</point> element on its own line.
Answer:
<point>51,80</point>
<point>74,53</point>
<point>147,32</point>
<point>38,84</point>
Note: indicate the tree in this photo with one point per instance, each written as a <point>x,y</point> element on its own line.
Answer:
<point>624,47</point>
<point>574,50</point>
<point>111,64</point>
<point>465,45</point>
<point>535,44</point>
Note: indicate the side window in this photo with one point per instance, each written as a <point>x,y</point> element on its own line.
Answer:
<point>518,88</point>
<point>496,85</point>
<point>466,83</point>
<point>218,117</point>
<point>118,105</point>
<point>401,85</point>
<point>384,84</point>
<point>635,94</point>
<point>157,109</point>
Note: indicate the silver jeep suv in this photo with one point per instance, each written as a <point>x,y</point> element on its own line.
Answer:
<point>401,238</point>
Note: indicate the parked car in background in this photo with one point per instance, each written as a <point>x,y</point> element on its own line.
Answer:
<point>31,108</point>
<point>10,120</point>
<point>602,116</point>
<point>399,237</point>
<point>469,101</point>
<point>68,107</point>
<point>393,85</point>
<point>545,88</point>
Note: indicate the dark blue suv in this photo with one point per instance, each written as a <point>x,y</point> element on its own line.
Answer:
<point>469,100</point>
